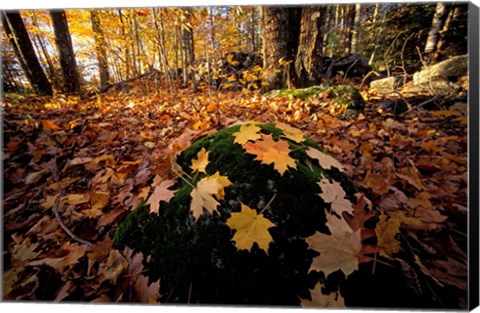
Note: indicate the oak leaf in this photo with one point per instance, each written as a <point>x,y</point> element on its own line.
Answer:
<point>74,253</point>
<point>250,228</point>
<point>246,133</point>
<point>200,162</point>
<point>338,251</point>
<point>202,194</point>
<point>326,161</point>
<point>269,151</point>
<point>161,193</point>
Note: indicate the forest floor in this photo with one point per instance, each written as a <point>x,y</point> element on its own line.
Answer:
<point>73,168</point>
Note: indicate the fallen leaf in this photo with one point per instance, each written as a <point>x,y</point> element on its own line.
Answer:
<point>290,132</point>
<point>326,161</point>
<point>251,227</point>
<point>116,264</point>
<point>49,125</point>
<point>246,133</point>
<point>387,230</point>
<point>200,162</point>
<point>35,176</point>
<point>269,151</point>
<point>202,194</point>
<point>161,193</point>
<point>338,251</point>
<point>334,194</point>
<point>320,300</point>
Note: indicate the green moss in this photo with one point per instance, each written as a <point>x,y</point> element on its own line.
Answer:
<point>199,257</point>
<point>347,97</point>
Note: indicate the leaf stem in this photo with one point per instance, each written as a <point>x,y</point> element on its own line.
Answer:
<point>269,203</point>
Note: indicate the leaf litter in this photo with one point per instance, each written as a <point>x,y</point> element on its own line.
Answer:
<point>412,167</point>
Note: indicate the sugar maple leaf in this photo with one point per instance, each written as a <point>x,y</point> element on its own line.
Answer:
<point>246,133</point>
<point>200,162</point>
<point>338,251</point>
<point>334,194</point>
<point>161,193</point>
<point>250,227</point>
<point>386,231</point>
<point>202,195</point>
<point>319,300</point>
<point>269,151</point>
<point>326,161</point>
<point>290,132</point>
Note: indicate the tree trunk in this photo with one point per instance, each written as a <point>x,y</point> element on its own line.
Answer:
<point>63,41</point>
<point>309,59</point>
<point>16,31</point>
<point>349,18</point>
<point>441,13</point>
<point>281,27</point>
<point>100,45</point>
<point>356,28</point>
<point>127,49</point>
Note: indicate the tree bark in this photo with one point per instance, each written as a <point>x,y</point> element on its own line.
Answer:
<point>281,27</point>
<point>349,19</point>
<point>309,59</point>
<point>356,28</point>
<point>16,31</point>
<point>100,45</point>
<point>441,13</point>
<point>63,41</point>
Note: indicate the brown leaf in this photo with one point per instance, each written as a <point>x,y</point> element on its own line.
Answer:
<point>161,193</point>
<point>116,264</point>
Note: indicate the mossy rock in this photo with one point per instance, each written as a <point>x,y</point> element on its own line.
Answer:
<point>346,97</point>
<point>197,260</point>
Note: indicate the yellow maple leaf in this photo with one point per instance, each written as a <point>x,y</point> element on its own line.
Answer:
<point>269,151</point>
<point>246,133</point>
<point>290,132</point>
<point>338,251</point>
<point>200,162</point>
<point>326,161</point>
<point>202,194</point>
<point>386,231</point>
<point>250,228</point>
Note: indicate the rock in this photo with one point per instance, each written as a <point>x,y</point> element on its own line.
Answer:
<point>447,70</point>
<point>197,260</point>
<point>351,65</point>
<point>387,85</point>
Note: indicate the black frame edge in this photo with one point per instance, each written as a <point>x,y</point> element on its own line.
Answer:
<point>473,141</point>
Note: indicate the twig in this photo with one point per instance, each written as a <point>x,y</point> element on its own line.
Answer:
<point>56,205</point>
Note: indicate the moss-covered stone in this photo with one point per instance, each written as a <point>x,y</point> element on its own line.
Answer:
<point>346,97</point>
<point>197,260</point>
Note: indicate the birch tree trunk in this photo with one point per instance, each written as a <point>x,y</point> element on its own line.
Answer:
<point>441,13</point>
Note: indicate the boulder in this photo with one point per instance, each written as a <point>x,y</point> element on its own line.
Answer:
<point>387,85</point>
<point>197,257</point>
<point>262,216</point>
<point>448,70</point>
